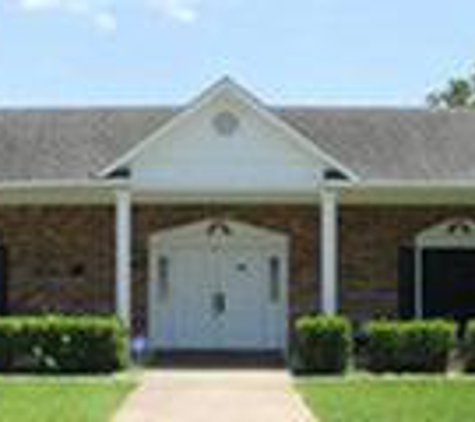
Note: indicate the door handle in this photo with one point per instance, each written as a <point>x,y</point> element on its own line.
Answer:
<point>219,303</point>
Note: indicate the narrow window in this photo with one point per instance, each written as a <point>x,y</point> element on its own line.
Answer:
<point>274,270</point>
<point>163,277</point>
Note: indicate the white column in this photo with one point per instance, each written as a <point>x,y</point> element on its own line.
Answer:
<point>123,255</point>
<point>329,252</point>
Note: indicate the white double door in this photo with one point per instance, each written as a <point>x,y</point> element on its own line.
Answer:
<point>227,296</point>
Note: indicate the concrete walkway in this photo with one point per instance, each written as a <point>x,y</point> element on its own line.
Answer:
<point>214,396</point>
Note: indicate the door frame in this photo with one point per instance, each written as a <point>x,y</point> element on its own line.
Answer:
<point>457,233</point>
<point>157,239</point>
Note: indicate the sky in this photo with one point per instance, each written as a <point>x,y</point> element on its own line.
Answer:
<point>319,52</point>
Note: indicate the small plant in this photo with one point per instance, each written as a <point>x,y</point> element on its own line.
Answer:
<point>323,344</point>
<point>409,346</point>
<point>62,344</point>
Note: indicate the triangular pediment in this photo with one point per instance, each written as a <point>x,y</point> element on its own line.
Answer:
<point>454,233</point>
<point>227,141</point>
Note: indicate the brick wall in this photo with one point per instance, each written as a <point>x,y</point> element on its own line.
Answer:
<point>62,258</point>
<point>370,241</point>
<point>59,258</point>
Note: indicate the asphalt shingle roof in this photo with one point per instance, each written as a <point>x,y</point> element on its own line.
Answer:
<point>394,144</point>
<point>377,144</point>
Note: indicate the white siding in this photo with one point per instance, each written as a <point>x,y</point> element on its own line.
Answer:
<point>258,157</point>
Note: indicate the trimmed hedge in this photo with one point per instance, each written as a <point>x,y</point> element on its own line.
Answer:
<point>469,347</point>
<point>62,344</point>
<point>409,346</point>
<point>323,344</point>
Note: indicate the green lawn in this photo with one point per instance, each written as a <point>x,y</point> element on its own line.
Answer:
<point>391,400</point>
<point>60,400</point>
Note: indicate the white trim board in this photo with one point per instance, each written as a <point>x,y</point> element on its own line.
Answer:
<point>12,185</point>
<point>453,233</point>
<point>31,195</point>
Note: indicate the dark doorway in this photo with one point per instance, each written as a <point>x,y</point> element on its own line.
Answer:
<point>449,283</point>
<point>3,281</point>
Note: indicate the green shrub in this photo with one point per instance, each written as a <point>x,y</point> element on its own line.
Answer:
<point>61,344</point>
<point>323,344</point>
<point>469,347</point>
<point>409,346</point>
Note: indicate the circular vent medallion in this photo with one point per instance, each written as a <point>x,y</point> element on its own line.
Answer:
<point>225,123</point>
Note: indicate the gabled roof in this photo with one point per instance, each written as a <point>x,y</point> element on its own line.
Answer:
<point>227,88</point>
<point>71,144</point>
<point>377,144</point>
<point>393,144</point>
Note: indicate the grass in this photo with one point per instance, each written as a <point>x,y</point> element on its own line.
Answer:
<point>401,399</point>
<point>61,399</point>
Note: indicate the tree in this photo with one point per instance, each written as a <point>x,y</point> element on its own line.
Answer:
<point>458,93</point>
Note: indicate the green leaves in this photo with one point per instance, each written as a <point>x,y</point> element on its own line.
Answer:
<point>61,344</point>
<point>324,344</point>
<point>409,346</point>
<point>459,93</point>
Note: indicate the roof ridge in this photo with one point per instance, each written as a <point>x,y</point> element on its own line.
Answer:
<point>278,108</point>
<point>73,108</point>
<point>368,109</point>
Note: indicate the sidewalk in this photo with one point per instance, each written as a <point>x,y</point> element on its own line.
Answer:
<point>214,396</point>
